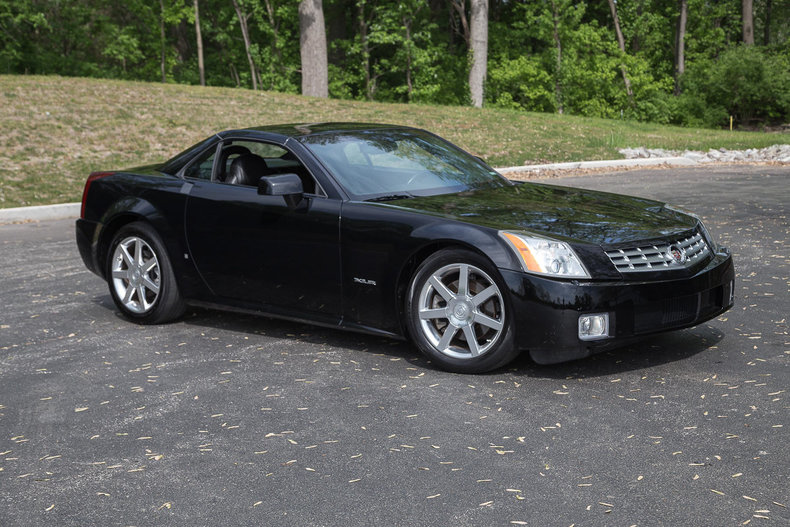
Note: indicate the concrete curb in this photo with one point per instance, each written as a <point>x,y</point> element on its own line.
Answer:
<point>40,212</point>
<point>72,210</point>
<point>609,163</point>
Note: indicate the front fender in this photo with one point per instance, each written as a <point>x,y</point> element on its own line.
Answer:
<point>480,239</point>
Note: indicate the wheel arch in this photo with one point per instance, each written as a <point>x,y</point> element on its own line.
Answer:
<point>499,350</point>
<point>129,210</point>
<point>414,261</point>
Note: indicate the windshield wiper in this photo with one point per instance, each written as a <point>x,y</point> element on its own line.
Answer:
<point>390,197</point>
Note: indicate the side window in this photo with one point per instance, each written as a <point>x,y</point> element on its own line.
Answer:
<point>202,166</point>
<point>245,162</point>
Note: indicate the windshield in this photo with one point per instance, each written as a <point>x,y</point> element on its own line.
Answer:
<point>399,163</point>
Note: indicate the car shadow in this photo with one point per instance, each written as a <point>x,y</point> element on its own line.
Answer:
<point>261,325</point>
<point>651,352</point>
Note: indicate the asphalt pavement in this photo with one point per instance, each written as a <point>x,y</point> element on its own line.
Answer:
<point>228,419</point>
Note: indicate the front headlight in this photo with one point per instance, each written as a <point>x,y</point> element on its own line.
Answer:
<point>545,256</point>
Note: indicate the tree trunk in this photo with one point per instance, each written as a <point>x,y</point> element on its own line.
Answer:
<point>362,24</point>
<point>234,74</point>
<point>199,39</point>
<point>312,48</point>
<point>246,35</point>
<point>680,45</point>
<point>460,9</point>
<point>621,42</point>
<point>558,44</point>
<point>162,37</point>
<point>748,21</point>
<point>479,47</point>
<point>276,51</point>
<point>767,28</point>
<point>407,26</point>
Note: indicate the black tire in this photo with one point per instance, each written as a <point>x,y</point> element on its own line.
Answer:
<point>142,284</point>
<point>440,321</point>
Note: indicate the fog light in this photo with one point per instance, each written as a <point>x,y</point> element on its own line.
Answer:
<point>592,327</point>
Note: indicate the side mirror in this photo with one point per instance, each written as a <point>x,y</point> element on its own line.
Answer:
<point>289,186</point>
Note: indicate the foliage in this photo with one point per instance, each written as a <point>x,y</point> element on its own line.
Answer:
<point>544,55</point>
<point>746,82</point>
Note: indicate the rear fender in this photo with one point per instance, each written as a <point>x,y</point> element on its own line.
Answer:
<point>133,208</point>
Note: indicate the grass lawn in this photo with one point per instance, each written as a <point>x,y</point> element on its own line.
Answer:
<point>56,130</point>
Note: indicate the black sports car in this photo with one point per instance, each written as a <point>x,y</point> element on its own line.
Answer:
<point>394,231</point>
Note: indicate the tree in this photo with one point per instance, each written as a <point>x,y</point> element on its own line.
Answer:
<point>555,22</point>
<point>747,13</point>
<point>245,33</point>
<point>767,24</point>
<point>460,9</point>
<point>199,39</point>
<point>364,17</point>
<point>621,43</point>
<point>407,17</point>
<point>479,50</point>
<point>680,44</point>
<point>274,26</point>
<point>312,48</point>
<point>162,38</point>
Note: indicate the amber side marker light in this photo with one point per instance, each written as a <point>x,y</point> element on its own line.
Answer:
<point>91,178</point>
<point>523,250</point>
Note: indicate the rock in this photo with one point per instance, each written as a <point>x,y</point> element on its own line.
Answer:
<point>779,153</point>
<point>699,157</point>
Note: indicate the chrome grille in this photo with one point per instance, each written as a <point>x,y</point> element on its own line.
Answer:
<point>659,257</point>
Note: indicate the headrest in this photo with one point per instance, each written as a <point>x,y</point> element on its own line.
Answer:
<point>246,169</point>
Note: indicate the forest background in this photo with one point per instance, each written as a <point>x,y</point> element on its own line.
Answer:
<point>687,62</point>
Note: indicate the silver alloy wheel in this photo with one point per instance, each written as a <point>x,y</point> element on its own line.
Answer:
<point>135,274</point>
<point>461,311</point>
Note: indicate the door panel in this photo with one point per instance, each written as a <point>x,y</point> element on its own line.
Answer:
<point>256,250</point>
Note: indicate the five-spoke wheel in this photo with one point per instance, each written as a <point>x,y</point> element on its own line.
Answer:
<point>140,276</point>
<point>458,313</point>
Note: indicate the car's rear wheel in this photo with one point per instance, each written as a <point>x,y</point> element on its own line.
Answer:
<point>458,313</point>
<point>141,279</point>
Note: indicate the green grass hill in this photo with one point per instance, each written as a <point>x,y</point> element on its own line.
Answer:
<point>56,130</point>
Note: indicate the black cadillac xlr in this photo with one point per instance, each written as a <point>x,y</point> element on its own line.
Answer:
<point>394,231</point>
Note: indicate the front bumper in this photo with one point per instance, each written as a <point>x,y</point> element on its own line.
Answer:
<point>547,311</point>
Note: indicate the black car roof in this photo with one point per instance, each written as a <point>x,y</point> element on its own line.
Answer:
<point>278,132</point>
<point>305,129</point>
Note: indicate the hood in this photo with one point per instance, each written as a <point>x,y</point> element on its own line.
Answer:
<point>565,213</point>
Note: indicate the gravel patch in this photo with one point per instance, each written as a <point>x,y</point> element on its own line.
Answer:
<point>780,153</point>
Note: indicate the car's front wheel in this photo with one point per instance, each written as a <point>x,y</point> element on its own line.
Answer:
<point>458,313</point>
<point>140,276</point>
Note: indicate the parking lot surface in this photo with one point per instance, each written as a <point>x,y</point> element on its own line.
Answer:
<point>228,419</point>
